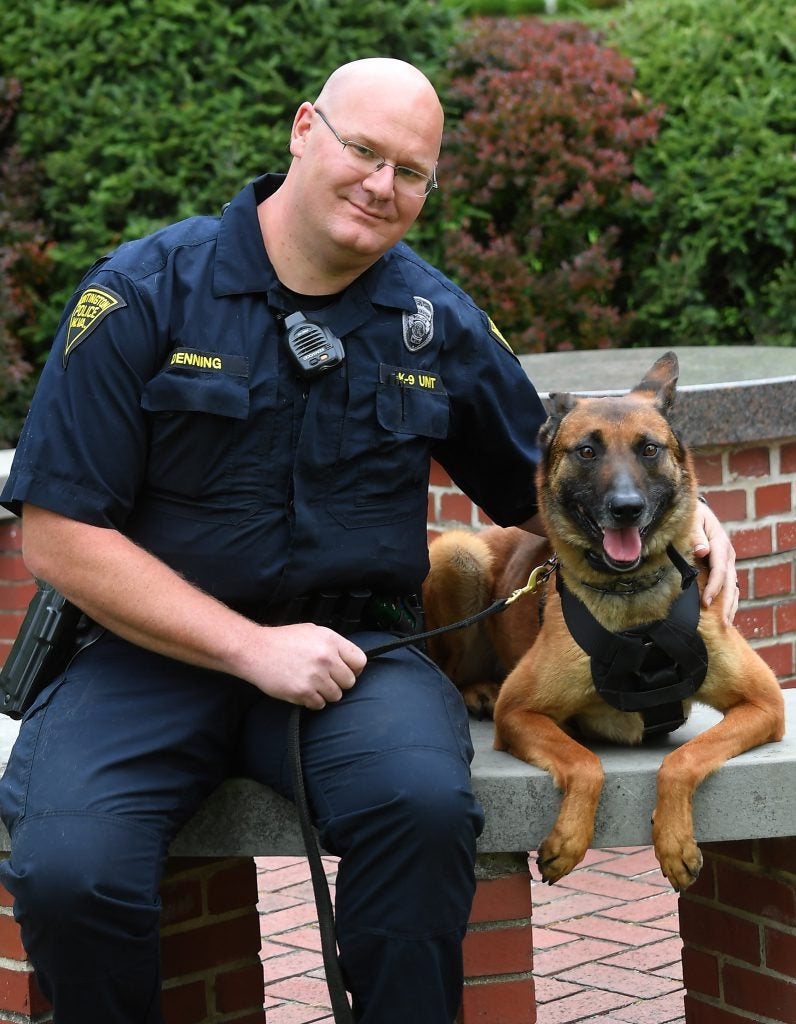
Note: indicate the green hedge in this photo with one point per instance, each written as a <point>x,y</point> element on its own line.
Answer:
<point>24,268</point>
<point>716,262</point>
<point>147,111</point>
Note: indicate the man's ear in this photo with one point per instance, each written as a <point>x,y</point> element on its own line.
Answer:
<point>300,129</point>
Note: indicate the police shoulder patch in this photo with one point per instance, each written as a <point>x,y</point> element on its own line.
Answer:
<point>96,302</point>
<point>493,330</point>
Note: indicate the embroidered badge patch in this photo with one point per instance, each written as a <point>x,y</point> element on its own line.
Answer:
<point>92,307</point>
<point>419,326</point>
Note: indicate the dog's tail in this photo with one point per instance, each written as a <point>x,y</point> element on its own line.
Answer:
<point>460,583</point>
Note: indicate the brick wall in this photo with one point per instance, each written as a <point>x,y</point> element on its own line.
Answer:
<point>20,998</point>
<point>211,942</point>
<point>752,490</point>
<point>738,924</point>
<point>16,585</point>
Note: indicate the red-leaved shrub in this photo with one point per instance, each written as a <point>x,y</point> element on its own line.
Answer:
<point>538,178</point>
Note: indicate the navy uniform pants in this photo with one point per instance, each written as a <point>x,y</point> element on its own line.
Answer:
<point>116,756</point>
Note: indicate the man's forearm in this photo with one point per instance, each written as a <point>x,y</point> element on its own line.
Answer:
<point>131,592</point>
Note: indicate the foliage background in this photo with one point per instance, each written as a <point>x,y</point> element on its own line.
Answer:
<point>716,261</point>
<point>146,111</point>
<point>118,117</point>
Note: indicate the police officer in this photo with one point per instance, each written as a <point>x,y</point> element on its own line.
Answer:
<point>228,452</point>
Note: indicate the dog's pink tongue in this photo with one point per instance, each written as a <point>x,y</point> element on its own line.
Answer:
<point>622,545</point>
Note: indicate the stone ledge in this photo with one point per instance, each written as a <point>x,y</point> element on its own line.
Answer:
<point>728,395</point>
<point>751,797</point>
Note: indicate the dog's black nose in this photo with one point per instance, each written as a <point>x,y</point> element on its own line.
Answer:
<point>625,507</point>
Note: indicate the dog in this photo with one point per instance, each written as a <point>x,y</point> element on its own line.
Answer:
<point>617,497</point>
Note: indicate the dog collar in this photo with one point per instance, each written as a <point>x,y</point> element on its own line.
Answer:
<point>638,584</point>
<point>650,668</point>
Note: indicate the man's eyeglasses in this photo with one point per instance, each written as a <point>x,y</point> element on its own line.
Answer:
<point>407,180</point>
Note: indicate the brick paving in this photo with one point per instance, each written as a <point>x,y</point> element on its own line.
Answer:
<point>606,943</point>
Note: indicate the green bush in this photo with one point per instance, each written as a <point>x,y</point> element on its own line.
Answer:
<point>538,181</point>
<point>24,266</point>
<point>147,111</point>
<point>716,262</point>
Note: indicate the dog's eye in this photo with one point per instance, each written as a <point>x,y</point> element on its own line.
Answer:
<point>586,452</point>
<point>650,450</point>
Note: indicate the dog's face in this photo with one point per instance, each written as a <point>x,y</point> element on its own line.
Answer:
<point>616,483</point>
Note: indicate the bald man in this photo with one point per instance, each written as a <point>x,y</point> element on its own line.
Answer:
<point>226,468</point>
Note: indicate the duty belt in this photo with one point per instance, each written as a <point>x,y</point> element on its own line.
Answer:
<point>344,611</point>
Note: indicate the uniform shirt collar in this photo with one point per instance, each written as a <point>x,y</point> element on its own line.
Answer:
<point>242,265</point>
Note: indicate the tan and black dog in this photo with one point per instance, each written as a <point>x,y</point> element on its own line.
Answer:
<point>617,494</point>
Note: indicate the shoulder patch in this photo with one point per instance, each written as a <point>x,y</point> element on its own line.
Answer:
<point>493,330</point>
<point>92,307</point>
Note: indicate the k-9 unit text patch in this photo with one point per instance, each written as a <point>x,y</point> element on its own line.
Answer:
<point>92,307</point>
<point>403,377</point>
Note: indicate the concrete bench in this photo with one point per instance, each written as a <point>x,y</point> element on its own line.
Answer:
<point>738,922</point>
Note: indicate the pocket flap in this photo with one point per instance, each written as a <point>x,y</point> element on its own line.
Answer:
<point>217,393</point>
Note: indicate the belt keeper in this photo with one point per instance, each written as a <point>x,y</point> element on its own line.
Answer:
<point>351,612</point>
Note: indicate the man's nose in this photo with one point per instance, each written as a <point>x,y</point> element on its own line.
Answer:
<point>381,181</point>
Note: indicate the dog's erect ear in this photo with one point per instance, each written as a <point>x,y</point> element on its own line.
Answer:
<point>660,381</point>
<point>560,404</point>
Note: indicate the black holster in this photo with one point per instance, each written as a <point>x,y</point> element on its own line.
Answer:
<point>46,641</point>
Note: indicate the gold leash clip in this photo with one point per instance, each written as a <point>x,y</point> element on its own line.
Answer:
<point>541,574</point>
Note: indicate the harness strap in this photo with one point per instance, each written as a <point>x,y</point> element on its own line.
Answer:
<point>650,668</point>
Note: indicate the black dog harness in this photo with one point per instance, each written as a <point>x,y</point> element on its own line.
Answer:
<point>650,668</point>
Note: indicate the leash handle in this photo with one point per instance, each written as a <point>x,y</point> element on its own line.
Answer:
<point>323,901</point>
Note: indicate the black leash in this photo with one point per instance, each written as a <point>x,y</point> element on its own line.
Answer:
<point>341,1009</point>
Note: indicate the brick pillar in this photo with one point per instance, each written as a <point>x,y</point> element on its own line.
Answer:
<point>20,997</point>
<point>211,942</point>
<point>738,924</point>
<point>210,935</point>
<point>498,948</point>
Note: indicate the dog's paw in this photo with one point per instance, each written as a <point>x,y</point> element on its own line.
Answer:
<point>480,699</point>
<point>557,856</point>
<point>680,860</point>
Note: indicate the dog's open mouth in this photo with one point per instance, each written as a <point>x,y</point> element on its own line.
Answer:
<point>622,547</point>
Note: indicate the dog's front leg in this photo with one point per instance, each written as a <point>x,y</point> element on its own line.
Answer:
<point>745,725</point>
<point>576,771</point>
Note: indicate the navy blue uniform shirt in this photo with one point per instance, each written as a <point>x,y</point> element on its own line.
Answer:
<point>170,410</point>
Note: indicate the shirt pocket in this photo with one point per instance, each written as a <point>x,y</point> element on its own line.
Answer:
<point>386,450</point>
<point>198,440</point>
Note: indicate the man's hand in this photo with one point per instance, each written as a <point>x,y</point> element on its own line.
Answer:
<point>305,664</point>
<point>711,541</point>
